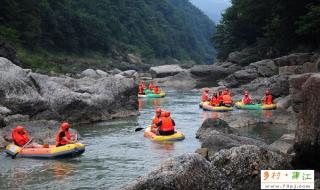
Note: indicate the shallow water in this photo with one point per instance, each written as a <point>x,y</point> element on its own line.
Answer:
<point>115,154</point>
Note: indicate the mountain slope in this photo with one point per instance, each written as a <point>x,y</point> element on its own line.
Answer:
<point>154,29</point>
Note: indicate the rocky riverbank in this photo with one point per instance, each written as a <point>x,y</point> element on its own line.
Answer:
<point>29,97</point>
<point>229,160</point>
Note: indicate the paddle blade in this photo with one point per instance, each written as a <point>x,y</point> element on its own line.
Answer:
<point>138,129</point>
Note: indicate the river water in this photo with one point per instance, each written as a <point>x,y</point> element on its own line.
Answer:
<point>115,154</point>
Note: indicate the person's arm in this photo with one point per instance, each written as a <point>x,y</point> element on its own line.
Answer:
<point>159,123</point>
<point>68,141</point>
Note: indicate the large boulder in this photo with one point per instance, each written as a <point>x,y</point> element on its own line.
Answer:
<point>86,99</point>
<point>165,71</point>
<point>90,73</point>
<point>291,70</point>
<point>243,57</point>
<point>9,52</point>
<point>284,103</point>
<point>189,171</point>
<point>265,68</point>
<point>242,165</point>
<point>17,91</point>
<point>293,59</point>
<point>307,142</point>
<point>181,81</point>
<point>241,77</point>
<point>209,71</point>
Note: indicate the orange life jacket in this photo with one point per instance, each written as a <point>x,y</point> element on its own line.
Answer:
<point>60,141</point>
<point>227,99</point>
<point>204,97</point>
<point>20,139</point>
<point>267,99</point>
<point>214,101</point>
<point>155,121</point>
<point>167,124</point>
<point>156,90</point>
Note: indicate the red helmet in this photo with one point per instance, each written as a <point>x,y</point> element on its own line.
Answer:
<point>167,114</point>
<point>64,126</point>
<point>158,110</point>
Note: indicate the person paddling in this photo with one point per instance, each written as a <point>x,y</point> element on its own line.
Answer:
<point>267,99</point>
<point>227,99</point>
<point>166,125</point>
<point>156,120</point>
<point>220,98</point>
<point>156,90</point>
<point>63,136</point>
<point>151,86</point>
<point>20,137</point>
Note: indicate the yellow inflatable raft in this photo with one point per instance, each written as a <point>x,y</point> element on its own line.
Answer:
<point>178,136</point>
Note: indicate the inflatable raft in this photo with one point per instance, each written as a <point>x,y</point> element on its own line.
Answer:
<point>69,150</point>
<point>242,106</point>
<point>152,95</point>
<point>178,136</point>
<point>207,107</point>
<point>201,103</point>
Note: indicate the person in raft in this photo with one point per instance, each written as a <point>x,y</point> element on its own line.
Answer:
<point>267,99</point>
<point>156,90</point>
<point>156,120</point>
<point>166,125</point>
<point>214,100</point>
<point>220,98</point>
<point>205,95</point>
<point>151,86</point>
<point>246,98</point>
<point>141,89</point>
<point>63,136</point>
<point>227,99</point>
<point>20,137</point>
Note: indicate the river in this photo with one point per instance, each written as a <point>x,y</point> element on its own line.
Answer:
<point>115,154</point>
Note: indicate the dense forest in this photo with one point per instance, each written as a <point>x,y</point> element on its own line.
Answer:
<point>153,29</point>
<point>273,27</point>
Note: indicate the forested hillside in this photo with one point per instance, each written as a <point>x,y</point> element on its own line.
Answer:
<point>273,27</point>
<point>153,29</point>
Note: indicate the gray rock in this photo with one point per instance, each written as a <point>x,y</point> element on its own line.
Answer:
<point>115,71</point>
<point>284,144</point>
<point>86,99</point>
<point>134,59</point>
<point>293,59</point>
<point>212,71</point>
<point>9,52</point>
<point>16,118</point>
<point>129,73</point>
<point>242,165</point>
<point>165,71</point>
<point>90,73</point>
<point>265,68</point>
<point>211,124</point>
<point>239,57</point>
<point>5,111</point>
<point>240,77</point>
<point>17,91</point>
<point>102,73</point>
<point>307,144</point>
<point>181,81</point>
<point>291,70</point>
<point>189,171</point>
<point>284,103</point>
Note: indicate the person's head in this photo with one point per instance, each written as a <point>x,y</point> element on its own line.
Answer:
<point>246,93</point>
<point>267,92</point>
<point>215,94</point>
<point>225,92</point>
<point>158,112</point>
<point>20,130</point>
<point>65,126</point>
<point>220,92</point>
<point>206,90</point>
<point>167,114</point>
<point>227,89</point>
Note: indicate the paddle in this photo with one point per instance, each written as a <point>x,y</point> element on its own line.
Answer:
<point>15,155</point>
<point>138,129</point>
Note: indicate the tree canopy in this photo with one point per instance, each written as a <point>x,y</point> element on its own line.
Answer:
<point>273,26</point>
<point>160,29</point>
